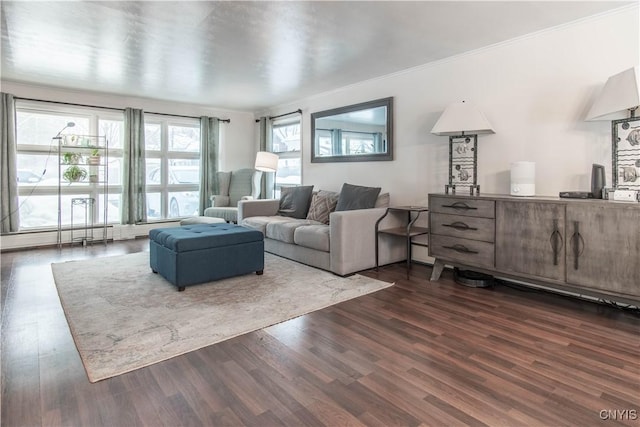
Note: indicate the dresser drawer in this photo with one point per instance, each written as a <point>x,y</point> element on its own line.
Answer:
<point>466,227</point>
<point>469,252</point>
<point>466,206</point>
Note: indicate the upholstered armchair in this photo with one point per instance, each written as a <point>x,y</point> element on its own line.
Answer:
<point>243,184</point>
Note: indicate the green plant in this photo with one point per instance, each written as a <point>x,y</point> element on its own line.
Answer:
<point>95,152</point>
<point>70,158</point>
<point>74,174</point>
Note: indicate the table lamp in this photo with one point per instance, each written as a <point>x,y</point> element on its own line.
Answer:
<point>462,122</point>
<point>618,102</point>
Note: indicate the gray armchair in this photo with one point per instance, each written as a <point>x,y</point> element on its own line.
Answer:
<point>243,184</point>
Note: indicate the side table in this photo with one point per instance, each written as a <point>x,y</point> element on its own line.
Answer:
<point>408,232</point>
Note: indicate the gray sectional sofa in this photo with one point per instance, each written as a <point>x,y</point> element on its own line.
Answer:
<point>344,246</point>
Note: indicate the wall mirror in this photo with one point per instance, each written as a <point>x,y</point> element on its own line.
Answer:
<point>355,133</point>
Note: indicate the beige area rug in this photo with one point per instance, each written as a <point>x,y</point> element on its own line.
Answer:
<point>124,317</point>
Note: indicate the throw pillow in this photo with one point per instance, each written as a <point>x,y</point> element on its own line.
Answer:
<point>354,197</point>
<point>322,204</point>
<point>295,201</point>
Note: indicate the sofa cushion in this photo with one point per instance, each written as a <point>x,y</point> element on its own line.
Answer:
<point>314,236</point>
<point>260,222</point>
<point>383,201</point>
<point>322,204</point>
<point>283,231</point>
<point>295,201</point>
<point>354,197</point>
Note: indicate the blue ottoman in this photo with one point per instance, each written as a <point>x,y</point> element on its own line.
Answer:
<point>204,252</point>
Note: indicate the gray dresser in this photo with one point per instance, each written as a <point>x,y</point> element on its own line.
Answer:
<point>590,247</point>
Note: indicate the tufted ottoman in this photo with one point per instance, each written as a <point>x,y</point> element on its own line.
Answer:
<point>201,253</point>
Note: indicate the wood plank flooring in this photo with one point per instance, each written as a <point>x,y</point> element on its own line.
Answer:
<point>417,353</point>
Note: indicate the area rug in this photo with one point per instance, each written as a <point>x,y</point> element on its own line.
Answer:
<point>124,317</point>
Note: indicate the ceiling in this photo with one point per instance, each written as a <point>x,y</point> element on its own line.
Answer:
<point>251,55</point>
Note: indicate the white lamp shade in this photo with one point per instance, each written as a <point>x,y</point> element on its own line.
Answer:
<point>266,162</point>
<point>462,117</point>
<point>620,93</point>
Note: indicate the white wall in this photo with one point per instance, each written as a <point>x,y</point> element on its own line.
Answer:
<point>535,91</point>
<point>236,138</point>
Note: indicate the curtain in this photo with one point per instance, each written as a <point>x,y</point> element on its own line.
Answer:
<point>267,190</point>
<point>8,164</point>
<point>209,149</point>
<point>134,203</point>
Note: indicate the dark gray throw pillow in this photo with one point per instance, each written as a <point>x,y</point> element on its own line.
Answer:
<point>354,197</point>
<point>295,201</point>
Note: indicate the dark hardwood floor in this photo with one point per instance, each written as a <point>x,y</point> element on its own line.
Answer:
<point>417,353</point>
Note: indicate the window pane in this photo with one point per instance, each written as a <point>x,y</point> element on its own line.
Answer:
<point>184,172</point>
<point>286,137</point>
<point>38,211</point>
<point>153,171</point>
<point>31,167</point>
<point>113,208</point>
<point>152,136</point>
<point>289,172</point>
<point>184,138</point>
<point>40,128</point>
<point>154,206</point>
<point>113,130</point>
<point>184,203</point>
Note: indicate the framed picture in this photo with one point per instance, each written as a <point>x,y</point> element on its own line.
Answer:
<point>626,153</point>
<point>463,155</point>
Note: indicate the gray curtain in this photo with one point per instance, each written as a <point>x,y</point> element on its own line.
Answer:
<point>209,149</point>
<point>134,203</point>
<point>266,192</point>
<point>8,166</point>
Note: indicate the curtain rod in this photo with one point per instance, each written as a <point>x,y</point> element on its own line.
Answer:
<point>298,111</point>
<point>110,108</point>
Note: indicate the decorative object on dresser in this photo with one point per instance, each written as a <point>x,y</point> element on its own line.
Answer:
<point>462,122</point>
<point>584,247</point>
<point>523,179</point>
<point>618,102</point>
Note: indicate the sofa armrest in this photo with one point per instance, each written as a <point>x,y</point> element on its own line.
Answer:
<point>219,201</point>
<point>260,207</point>
<point>352,240</point>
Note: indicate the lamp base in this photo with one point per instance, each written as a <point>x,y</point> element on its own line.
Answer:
<point>473,189</point>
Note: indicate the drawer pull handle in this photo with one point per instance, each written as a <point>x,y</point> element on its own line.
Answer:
<point>459,226</point>
<point>577,243</point>
<point>460,206</point>
<point>461,248</point>
<point>556,242</point>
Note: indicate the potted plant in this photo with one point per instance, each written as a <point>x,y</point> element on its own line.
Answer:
<point>74,173</point>
<point>94,158</point>
<point>70,158</point>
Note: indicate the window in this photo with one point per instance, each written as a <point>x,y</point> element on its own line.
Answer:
<point>172,163</point>
<point>37,123</point>
<point>286,144</point>
<point>172,149</point>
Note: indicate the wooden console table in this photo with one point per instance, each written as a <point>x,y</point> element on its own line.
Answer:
<point>408,232</point>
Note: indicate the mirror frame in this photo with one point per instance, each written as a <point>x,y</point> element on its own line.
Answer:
<point>388,156</point>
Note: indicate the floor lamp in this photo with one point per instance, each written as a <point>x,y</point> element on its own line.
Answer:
<point>268,162</point>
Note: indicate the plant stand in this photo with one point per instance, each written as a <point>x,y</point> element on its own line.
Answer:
<point>87,205</point>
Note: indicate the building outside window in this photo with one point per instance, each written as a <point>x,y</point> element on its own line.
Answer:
<point>286,143</point>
